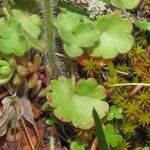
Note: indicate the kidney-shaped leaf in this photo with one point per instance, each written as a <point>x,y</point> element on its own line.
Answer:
<point>12,40</point>
<point>30,22</point>
<point>115,36</point>
<point>125,4</point>
<point>76,104</point>
<point>77,32</point>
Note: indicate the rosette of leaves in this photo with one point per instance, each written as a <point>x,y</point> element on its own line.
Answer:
<point>125,4</point>
<point>77,32</point>
<point>75,104</point>
<point>12,40</point>
<point>6,71</point>
<point>115,36</point>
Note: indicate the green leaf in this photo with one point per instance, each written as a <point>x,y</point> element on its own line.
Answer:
<point>143,25</point>
<point>112,137</point>
<point>78,145</point>
<point>102,144</point>
<point>32,23</point>
<point>77,32</point>
<point>24,4</point>
<point>12,40</point>
<point>114,36</point>
<point>125,4</point>
<point>144,148</point>
<point>90,88</point>
<point>76,104</point>
<point>6,72</point>
<point>114,112</point>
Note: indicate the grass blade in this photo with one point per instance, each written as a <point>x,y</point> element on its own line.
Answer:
<point>102,144</point>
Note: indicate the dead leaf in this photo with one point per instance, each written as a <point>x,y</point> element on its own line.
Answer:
<point>27,112</point>
<point>15,107</point>
<point>10,145</point>
<point>12,108</point>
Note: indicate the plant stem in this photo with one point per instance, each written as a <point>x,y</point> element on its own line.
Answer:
<point>111,69</point>
<point>49,30</point>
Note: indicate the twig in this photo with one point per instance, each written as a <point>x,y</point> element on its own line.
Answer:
<point>26,131</point>
<point>118,71</point>
<point>94,144</point>
<point>128,84</point>
<point>63,130</point>
<point>73,78</point>
<point>126,14</point>
<point>4,94</point>
<point>60,55</point>
<point>60,136</point>
<point>135,90</point>
<point>52,139</point>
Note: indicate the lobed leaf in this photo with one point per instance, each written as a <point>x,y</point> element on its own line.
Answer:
<point>114,112</point>
<point>125,4</point>
<point>114,36</point>
<point>32,23</point>
<point>76,104</point>
<point>77,32</point>
<point>12,40</point>
<point>112,137</point>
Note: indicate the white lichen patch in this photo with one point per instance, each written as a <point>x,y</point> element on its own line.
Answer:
<point>95,8</point>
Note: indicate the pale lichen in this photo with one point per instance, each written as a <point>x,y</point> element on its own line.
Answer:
<point>93,7</point>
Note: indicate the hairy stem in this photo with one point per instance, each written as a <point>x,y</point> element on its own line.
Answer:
<point>49,31</point>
